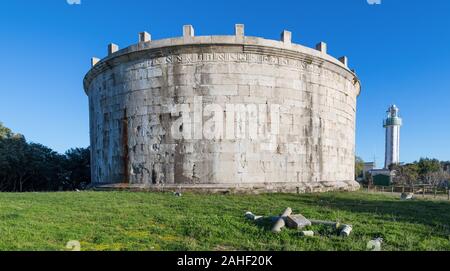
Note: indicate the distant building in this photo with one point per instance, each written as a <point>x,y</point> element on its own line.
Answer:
<point>392,125</point>
<point>369,166</point>
<point>382,177</point>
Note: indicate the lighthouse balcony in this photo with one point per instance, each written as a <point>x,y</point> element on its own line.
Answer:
<point>392,122</point>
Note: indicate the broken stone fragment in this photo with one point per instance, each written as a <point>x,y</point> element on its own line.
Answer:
<point>346,230</point>
<point>280,222</point>
<point>297,221</point>
<point>407,196</point>
<point>375,244</point>
<point>251,216</point>
<point>307,233</point>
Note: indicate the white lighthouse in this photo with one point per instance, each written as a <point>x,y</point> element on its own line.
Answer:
<point>392,124</point>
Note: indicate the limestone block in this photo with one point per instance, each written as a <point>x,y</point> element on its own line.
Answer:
<point>188,31</point>
<point>286,37</point>
<point>112,48</point>
<point>322,47</point>
<point>94,61</point>
<point>144,37</point>
<point>219,90</point>
<point>280,223</point>
<point>307,233</point>
<point>243,90</point>
<point>239,30</point>
<point>344,60</point>
<point>297,221</point>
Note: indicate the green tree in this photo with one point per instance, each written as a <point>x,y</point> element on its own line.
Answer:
<point>12,166</point>
<point>405,174</point>
<point>47,168</point>
<point>5,132</point>
<point>428,170</point>
<point>78,167</point>
<point>427,165</point>
<point>29,166</point>
<point>359,167</point>
<point>33,167</point>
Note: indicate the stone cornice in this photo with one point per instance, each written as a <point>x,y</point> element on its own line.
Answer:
<point>255,45</point>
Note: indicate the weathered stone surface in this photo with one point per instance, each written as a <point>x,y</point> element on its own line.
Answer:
<point>112,48</point>
<point>94,61</point>
<point>249,87</point>
<point>188,31</point>
<point>145,37</point>
<point>280,223</point>
<point>322,47</point>
<point>297,221</point>
<point>346,230</point>
<point>286,36</point>
<point>344,60</point>
<point>251,216</point>
<point>407,196</point>
<point>307,233</point>
<point>239,30</point>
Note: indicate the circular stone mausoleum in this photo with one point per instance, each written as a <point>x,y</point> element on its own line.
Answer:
<point>222,113</point>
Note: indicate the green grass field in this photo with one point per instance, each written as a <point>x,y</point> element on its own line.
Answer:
<point>161,221</point>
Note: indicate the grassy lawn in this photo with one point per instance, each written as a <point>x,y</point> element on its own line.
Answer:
<point>161,221</point>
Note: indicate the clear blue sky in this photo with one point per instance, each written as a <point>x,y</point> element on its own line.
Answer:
<point>400,50</point>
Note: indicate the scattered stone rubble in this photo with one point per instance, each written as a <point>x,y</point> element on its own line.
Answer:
<point>299,222</point>
<point>281,220</point>
<point>407,196</point>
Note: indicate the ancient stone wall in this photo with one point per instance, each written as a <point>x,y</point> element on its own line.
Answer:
<point>222,113</point>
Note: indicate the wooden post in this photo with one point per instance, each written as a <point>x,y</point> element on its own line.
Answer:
<point>435,192</point>
<point>403,189</point>
<point>392,188</point>
<point>382,189</point>
<point>423,191</point>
